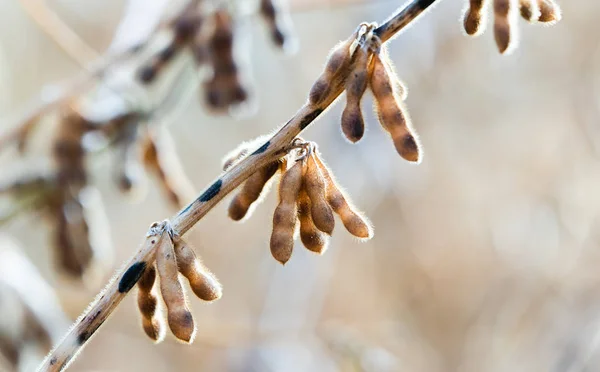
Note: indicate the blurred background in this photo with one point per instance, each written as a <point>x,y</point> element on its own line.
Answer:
<point>484,258</point>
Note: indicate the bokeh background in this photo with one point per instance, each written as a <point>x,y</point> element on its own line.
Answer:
<point>485,256</point>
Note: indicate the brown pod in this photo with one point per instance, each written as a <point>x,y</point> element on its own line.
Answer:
<point>549,11</point>
<point>284,217</point>
<point>202,281</point>
<point>475,17</point>
<point>530,10</point>
<point>504,32</point>
<point>184,28</point>
<point>158,158</point>
<point>391,112</point>
<point>316,188</point>
<point>353,124</point>
<point>355,223</point>
<point>224,88</point>
<point>148,305</point>
<point>338,62</point>
<point>269,12</point>
<point>251,191</point>
<point>148,73</point>
<point>312,238</point>
<point>68,152</point>
<point>179,316</point>
<point>71,239</point>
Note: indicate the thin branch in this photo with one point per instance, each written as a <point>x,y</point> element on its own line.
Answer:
<point>59,32</point>
<point>85,327</point>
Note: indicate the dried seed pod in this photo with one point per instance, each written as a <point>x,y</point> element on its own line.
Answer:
<point>203,283</point>
<point>148,305</point>
<point>338,62</point>
<point>312,238</point>
<point>184,27</point>
<point>159,157</point>
<point>474,19</point>
<point>148,73</point>
<point>353,124</point>
<point>530,10</point>
<point>354,221</point>
<point>251,191</point>
<point>224,88</point>
<point>284,217</point>
<point>73,250</point>
<point>179,316</point>
<point>316,188</point>
<point>272,14</point>
<point>549,11</point>
<point>391,112</point>
<point>504,30</point>
<point>68,152</point>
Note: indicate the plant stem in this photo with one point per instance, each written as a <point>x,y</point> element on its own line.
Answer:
<point>273,149</point>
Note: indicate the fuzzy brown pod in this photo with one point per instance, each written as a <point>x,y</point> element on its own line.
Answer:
<point>225,87</point>
<point>309,195</point>
<point>72,246</point>
<point>312,238</point>
<point>203,283</point>
<point>252,190</point>
<point>179,317</point>
<point>390,109</point>
<point>159,159</point>
<point>336,69</point>
<point>277,20</point>
<point>505,16</point>
<point>184,28</point>
<point>474,19</point>
<point>152,321</point>
<point>174,256</point>
<point>285,215</point>
<point>353,124</point>
<point>315,184</point>
<point>354,222</point>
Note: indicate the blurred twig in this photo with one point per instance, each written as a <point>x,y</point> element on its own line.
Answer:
<point>59,32</point>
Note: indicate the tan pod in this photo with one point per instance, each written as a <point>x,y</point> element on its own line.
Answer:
<point>179,316</point>
<point>392,114</point>
<point>251,191</point>
<point>353,221</point>
<point>148,305</point>
<point>285,215</point>
<point>313,239</point>
<point>201,280</point>
<point>315,185</point>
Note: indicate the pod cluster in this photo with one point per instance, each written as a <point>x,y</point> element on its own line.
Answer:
<point>209,35</point>
<point>309,196</point>
<point>360,64</point>
<point>506,14</point>
<point>162,279</point>
<point>66,196</point>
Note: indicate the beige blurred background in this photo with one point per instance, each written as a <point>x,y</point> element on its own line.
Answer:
<point>485,256</point>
